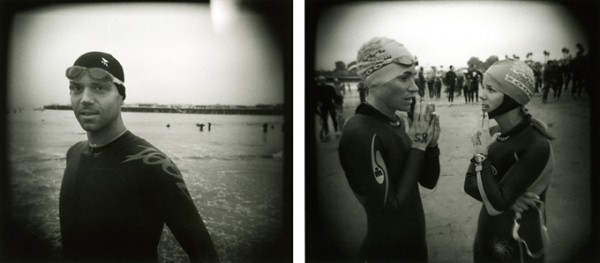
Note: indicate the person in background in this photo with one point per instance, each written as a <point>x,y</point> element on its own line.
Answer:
<point>451,83</point>
<point>460,82</point>
<point>475,78</point>
<point>438,85</point>
<point>511,169</point>
<point>558,79</point>
<point>118,190</point>
<point>340,92</point>
<point>363,91</point>
<point>549,76</point>
<point>386,157</point>
<point>326,107</point>
<point>468,94</point>
<point>421,82</point>
<point>580,71</point>
<point>430,83</point>
<point>537,73</point>
<point>567,72</point>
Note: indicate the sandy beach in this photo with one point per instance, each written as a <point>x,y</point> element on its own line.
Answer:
<point>451,215</point>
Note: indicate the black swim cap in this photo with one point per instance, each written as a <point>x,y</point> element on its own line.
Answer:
<point>96,59</point>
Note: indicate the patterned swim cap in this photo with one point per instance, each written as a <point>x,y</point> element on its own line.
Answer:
<point>513,78</point>
<point>375,55</point>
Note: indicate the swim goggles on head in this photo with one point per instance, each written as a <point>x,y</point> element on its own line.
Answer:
<point>372,66</point>
<point>405,61</point>
<point>74,72</point>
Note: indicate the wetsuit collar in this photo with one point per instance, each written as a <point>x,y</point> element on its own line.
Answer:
<point>96,146</point>
<point>368,110</point>
<point>515,130</point>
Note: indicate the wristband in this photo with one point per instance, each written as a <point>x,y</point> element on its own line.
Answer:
<point>479,158</point>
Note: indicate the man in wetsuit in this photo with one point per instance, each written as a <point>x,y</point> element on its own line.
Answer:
<point>385,157</point>
<point>451,83</point>
<point>325,94</point>
<point>475,77</point>
<point>118,190</point>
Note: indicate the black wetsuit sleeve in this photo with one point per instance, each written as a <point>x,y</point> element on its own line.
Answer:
<point>173,202</point>
<point>430,169</point>
<point>369,166</point>
<point>471,182</point>
<point>517,179</point>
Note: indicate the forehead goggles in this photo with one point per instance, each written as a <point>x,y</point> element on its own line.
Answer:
<point>405,61</point>
<point>74,72</point>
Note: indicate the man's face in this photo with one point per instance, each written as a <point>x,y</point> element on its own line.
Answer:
<point>490,98</point>
<point>397,94</point>
<point>96,103</point>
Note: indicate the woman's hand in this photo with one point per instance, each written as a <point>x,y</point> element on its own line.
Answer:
<point>525,201</point>
<point>432,117</point>
<point>481,138</point>
<point>420,131</point>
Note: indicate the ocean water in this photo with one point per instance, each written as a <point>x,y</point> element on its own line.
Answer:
<point>234,174</point>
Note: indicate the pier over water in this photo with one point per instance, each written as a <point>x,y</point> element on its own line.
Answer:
<point>260,109</point>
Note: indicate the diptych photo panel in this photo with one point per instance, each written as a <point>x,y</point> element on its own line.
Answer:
<point>142,132</point>
<point>299,131</point>
<point>450,131</point>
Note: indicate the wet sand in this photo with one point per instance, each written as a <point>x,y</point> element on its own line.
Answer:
<point>451,215</point>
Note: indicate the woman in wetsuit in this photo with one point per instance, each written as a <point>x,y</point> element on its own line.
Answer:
<point>386,158</point>
<point>510,171</point>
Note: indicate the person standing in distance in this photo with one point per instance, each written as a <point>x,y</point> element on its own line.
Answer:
<point>451,83</point>
<point>118,190</point>
<point>475,78</point>
<point>385,156</point>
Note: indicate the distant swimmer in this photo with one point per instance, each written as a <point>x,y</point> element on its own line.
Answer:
<point>209,124</point>
<point>118,190</point>
<point>265,130</point>
<point>201,127</point>
<point>168,125</point>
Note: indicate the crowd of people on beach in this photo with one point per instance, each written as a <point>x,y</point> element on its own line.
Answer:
<point>556,75</point>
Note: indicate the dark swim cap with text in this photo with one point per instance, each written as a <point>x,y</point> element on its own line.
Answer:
<point>105,61</point>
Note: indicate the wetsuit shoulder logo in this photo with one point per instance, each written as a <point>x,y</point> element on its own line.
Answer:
<point>152,156</point>
<point>377,163</point>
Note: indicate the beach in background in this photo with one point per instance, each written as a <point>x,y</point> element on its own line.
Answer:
<point>234,174</point>
<point>451,215</point>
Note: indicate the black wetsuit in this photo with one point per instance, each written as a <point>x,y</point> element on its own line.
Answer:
<point>115,199</point>
<point>326,97</point>
<point>451,83</point>
<point>511,168</point>
<point>475,78</point>
<point>383,170</point>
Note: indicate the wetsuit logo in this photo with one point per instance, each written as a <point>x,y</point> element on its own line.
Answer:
<point>378,171</point>
<point>377,163</point>
<point>152,156</point>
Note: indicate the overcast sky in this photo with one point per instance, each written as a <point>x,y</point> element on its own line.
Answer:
<point>171,53</point>
<point>449,32</point>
